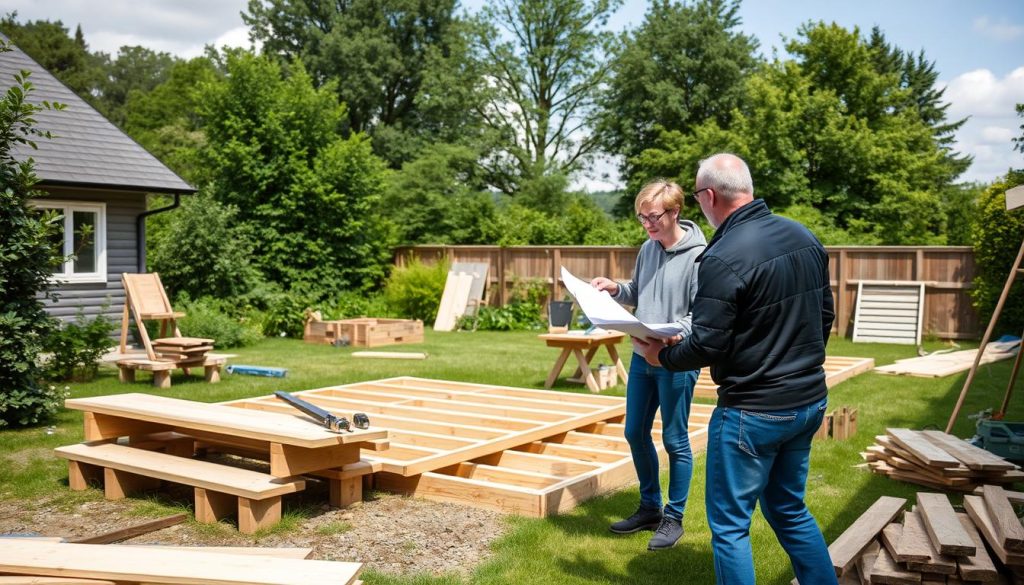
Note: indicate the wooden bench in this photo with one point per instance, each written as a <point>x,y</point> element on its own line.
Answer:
<point>219,489</point>
<point>162,369</point>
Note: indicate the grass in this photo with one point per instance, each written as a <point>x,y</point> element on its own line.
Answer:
<point>574,548</point>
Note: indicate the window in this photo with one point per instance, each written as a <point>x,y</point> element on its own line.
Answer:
<point>82,239</point>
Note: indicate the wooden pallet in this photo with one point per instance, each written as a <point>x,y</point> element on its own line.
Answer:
<point>364,331</point>
<point>531,452</point>
<point>837,369</point>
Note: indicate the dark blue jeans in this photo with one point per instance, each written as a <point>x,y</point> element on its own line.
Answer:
<point>752,456</point>
<point>648,389</point>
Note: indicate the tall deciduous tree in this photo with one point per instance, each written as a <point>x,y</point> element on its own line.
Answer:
<point>683,65</point>
<point>825,139</point>
<point>274,152</point>
<point>135,69</point>
<point>546,61</point>
<point>380,54</point>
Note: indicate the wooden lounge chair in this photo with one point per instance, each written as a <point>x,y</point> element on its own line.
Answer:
<point>146,300</point>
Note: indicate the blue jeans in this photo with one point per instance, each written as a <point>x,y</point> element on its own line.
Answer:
<point>754,455</point>
<point>648,389</point>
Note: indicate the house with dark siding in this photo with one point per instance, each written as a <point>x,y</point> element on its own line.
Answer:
<point>99,180</point>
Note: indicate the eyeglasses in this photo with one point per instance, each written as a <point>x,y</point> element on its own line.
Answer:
<point>652,218</point>
<point>698,191</point>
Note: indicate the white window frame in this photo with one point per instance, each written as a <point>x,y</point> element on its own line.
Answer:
<point>67,209</point>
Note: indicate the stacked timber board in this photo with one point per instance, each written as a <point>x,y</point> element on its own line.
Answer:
<point>518,450</point>
<point>932,543</point>
<point>364,331</point>
<point>30,561</point>
<point>937,460</point>
<point>938,365</point>
<point>837,369</point>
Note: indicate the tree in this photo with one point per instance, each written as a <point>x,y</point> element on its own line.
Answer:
<point>546,61</point>
<point>685,64</point>
<point>382,56</point>
<point>824,131</point>
<point>274,152</point>
<point>1018,143</point>
<point>26,259</point>
<point>136,69</point>
<point>66,57</point>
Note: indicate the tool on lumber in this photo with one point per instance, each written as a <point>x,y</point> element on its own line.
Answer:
<point>361,420</point>
<point>329,421</point>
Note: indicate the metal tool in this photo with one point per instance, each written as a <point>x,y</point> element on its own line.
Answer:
<point>328,420</point>
<point>361,420</point>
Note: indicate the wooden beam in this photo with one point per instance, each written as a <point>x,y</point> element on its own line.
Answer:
<point>851,543</point>
<point>945,530</point>
<point>131,531</point>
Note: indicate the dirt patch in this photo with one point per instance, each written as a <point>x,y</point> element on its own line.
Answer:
<point>388,533</point>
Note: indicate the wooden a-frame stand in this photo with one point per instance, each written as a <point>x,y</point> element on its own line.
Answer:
<point>1014,199</point>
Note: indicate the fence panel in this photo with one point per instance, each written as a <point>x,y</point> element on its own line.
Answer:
<point>947,271</point>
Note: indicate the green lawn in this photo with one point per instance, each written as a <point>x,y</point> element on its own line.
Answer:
<point>577,547</point>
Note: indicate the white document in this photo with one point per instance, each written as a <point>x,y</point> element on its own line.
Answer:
<point>603,311</point>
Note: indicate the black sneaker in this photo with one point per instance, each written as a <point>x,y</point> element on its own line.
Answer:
<point>668,533</point>
<point>642,519</point>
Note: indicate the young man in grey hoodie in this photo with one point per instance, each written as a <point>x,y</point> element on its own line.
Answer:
<point>662,290</point>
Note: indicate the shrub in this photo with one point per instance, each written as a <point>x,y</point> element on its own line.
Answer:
<point>997,238</point>
<point>76,347</point>
<point>414,291</point>
<point>211,318</point>
<point>523,311</point>
<point>353,304</point>
<point>27,256</point>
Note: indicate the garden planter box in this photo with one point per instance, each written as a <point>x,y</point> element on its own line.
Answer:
<point>364,332</point>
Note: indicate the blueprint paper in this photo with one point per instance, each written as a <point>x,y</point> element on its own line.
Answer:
<point>603,311</point>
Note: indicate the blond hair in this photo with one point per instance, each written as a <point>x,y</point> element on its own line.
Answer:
<point>667,192</point>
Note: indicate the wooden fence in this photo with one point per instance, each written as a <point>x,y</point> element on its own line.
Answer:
<point>947,271</point>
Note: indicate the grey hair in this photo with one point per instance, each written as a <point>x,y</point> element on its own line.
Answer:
<point>727,174</point>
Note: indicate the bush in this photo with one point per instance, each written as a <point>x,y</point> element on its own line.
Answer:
<point>349,305</point>
<point>26,258</point>
<point>997,238</point>
<point>76,347</point>
<point>211,318</point>
<point>414,291</point>
<point>523,311</point>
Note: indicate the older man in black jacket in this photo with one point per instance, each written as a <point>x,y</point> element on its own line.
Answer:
<point>761,319</point>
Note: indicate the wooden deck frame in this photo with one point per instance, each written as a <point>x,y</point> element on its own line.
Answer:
<point>514,450</point>
<point>837,369</point>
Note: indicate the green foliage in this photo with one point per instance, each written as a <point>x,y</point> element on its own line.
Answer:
<point>522,312</point>
<point>997,236</point>
<point>75,347</point>
<point>349,305</point>
<point>135,70</point>
<point>827,132</point>
<point>544,57</point>
<point>26,258</point>
<point>414,291</point>
<point>310,198</point>
<point>217,319</point>
<point>201,250</point>
<point>385,57</point>
<point>683,65</point>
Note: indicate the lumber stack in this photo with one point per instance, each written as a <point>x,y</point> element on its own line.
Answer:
<point>932,543</point>
<point>184,350</point>
<point>39,562</point>
<point>937,460</point>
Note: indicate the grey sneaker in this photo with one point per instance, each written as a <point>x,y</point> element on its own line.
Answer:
<point>668,533</point>
<point>642,519</point>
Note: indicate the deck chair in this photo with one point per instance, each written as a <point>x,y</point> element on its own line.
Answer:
<point>146,300</point>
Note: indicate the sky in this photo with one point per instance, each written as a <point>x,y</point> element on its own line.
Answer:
<point>977,47</point>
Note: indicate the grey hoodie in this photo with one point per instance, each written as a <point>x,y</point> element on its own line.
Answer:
<point>665,281</point>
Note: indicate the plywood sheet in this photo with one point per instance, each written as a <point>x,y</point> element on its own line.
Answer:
<point>947,364</point>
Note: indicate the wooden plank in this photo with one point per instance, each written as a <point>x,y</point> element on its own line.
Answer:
<point>390,355</point>
<point>971,456</point>
<point>852,542</point>
<point>157,565</point>
<point>41,580</point>
<point>979,566</point>
<point>903,550</point>
<point>865,564</point>
<point>886,570</point>
<point>978,512</point>
<point>1008,529</point>
<point>936,563</point>
<point>216,418</point>
<point>277,552</point>
<point>203,474</point>
<point>914,544</point>
<point>132,531</point>
<point>453,301</point>
<point>942,525</point>
<point>922,448</point>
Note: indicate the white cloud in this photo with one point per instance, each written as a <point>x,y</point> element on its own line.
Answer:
<point>980,94</point>
<point>989,104</point>
<point>1001,31</point>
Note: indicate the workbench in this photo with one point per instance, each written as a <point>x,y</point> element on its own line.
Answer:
<point>577,344</point>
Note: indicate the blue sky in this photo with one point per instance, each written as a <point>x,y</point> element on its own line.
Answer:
<point>977,47</point>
